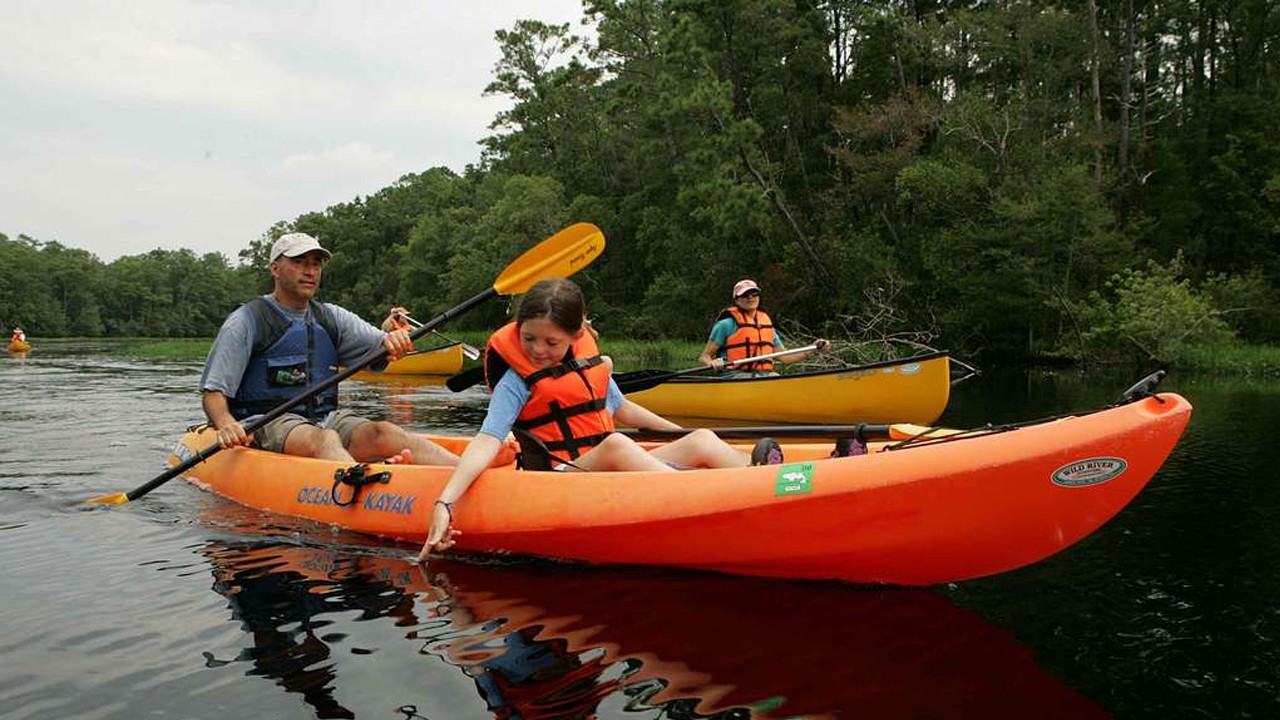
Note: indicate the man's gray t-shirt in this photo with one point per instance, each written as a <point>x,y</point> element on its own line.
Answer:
<point>229,357</point>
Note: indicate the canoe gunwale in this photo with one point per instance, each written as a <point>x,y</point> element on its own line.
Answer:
<point>806,374</point>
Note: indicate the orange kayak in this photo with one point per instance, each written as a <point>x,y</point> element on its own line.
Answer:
<point>19,346</point>
<point>914,512</point>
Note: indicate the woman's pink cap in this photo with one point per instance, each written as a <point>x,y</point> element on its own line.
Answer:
<point>743,286</point>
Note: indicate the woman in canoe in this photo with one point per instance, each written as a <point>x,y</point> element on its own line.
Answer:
<point>744,330</point>
<point>397,319</point>
<point>551,387</point>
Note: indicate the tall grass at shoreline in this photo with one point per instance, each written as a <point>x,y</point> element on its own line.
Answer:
<point>164,348</point>
<point>1232,359</point>
<point>1217,359</point>
<point>626,354</point>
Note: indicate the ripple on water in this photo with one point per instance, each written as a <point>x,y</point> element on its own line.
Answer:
<point>184,605</point>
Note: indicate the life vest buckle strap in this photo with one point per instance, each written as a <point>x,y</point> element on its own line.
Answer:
<point>558,414</point>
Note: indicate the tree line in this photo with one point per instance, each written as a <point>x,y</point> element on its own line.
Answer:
<point>1011,179</point>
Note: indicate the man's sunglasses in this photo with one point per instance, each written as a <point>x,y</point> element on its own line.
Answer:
<point>750,293</point>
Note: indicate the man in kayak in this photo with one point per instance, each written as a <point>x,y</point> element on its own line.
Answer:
<point>744,330</point>
<point>276,346</point>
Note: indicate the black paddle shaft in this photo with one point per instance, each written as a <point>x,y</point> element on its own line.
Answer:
<point>365,360</point>
<point>861,431</point>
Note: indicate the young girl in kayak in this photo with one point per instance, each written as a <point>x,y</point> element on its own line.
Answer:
<point>552,387</point>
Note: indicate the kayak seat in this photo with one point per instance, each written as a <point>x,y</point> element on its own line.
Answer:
<point>534,454</point>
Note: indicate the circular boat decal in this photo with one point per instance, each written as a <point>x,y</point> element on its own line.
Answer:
<point>1090,471</point>
<point>909,369</point>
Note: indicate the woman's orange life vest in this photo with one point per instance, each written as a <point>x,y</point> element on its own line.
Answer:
<point>566,409</point>
<point>753,337</point>
<point>397,322</point>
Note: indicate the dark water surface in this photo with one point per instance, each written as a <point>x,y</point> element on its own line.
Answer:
<point>181,605</point>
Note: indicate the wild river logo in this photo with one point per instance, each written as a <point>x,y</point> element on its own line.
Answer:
<point>1090,471</point>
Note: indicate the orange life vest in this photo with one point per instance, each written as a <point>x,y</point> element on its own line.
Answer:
<point>398,323</point>
<point>753,337</point>
<point>566,409</point>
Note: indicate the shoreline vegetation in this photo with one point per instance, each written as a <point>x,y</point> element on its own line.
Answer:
<point>1227,359</point>
<point>627,354</point>
<point>881,173</point>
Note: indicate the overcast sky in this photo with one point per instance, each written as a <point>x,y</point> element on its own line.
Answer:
<point>141,124</point>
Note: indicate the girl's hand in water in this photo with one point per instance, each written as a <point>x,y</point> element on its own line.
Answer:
<point>441,535</point>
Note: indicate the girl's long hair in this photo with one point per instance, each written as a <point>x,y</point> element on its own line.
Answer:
<point>558,299</point>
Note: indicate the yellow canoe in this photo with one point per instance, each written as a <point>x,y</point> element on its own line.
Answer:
<point>17,346</point>
<point>913,390</point>
<point>441,361</point>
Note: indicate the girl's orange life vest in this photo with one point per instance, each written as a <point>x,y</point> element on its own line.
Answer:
<point>566,409</point>
<point>753,337</point>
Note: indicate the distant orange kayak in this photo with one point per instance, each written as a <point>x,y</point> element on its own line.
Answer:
<point>910,513</point>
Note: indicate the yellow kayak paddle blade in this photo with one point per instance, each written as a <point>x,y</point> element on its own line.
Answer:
<point>560,255</point>
<point>112,499</point>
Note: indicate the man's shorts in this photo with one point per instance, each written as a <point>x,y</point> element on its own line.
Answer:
<point>272,435</point>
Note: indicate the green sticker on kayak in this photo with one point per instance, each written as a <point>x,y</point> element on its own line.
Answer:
<point>794,479</point>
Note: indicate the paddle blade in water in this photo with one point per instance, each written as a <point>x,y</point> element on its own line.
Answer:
<point>560,255</point>
<point>112,499</point>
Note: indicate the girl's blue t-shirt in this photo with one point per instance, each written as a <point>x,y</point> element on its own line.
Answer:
<point>510,395</point>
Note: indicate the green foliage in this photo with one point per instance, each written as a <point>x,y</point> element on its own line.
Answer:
<point>54,291</point>
<point>1249,304</point>
<point>957,153</point>
<point>1149,315</point>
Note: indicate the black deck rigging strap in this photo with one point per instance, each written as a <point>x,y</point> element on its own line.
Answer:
<point>356,476</point>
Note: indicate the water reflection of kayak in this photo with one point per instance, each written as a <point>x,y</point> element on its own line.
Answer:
<point>550,641</point>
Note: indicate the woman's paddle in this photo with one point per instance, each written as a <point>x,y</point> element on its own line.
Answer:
<point>630,382</point>
<point>560,255</point>
<point>465,379</point>
<point>862,431</point>
<point>469,351</point>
